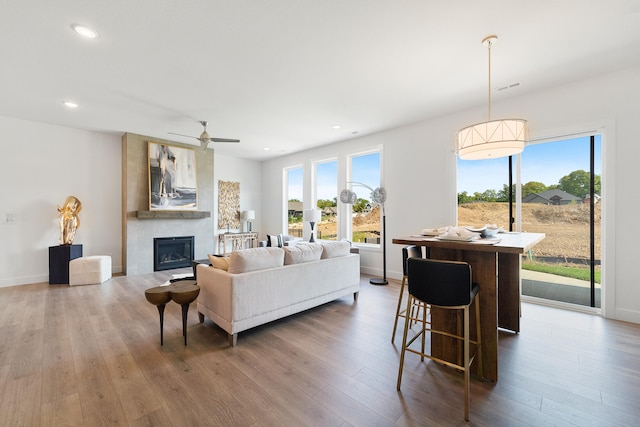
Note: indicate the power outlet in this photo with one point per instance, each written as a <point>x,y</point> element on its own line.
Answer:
<point>10,218</point>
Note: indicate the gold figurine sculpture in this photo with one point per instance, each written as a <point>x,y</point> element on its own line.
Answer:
<point>68,218</point>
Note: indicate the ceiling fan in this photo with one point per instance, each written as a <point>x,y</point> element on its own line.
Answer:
<point>204,137</point>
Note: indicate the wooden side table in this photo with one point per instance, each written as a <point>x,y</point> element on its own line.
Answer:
<point>237,241</point>
<point>183,292</point>
<point>159,296</point>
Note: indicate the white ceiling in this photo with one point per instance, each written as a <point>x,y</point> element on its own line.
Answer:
<point>280,73</point>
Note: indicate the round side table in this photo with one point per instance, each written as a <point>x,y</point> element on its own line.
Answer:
<point>159,296</point>
<point>184,293</point>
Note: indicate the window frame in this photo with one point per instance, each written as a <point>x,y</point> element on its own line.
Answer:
<point>348,184</point>
<point>314,188</point>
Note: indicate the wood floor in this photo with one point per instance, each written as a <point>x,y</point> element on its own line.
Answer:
<point>91,355</point>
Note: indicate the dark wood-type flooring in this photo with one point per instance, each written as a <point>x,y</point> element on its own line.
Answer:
<point>91,355</point>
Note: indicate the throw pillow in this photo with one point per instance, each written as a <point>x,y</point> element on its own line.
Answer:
<point>246,260</point>
<point>274,241</point>
<point>302,252</point>
<point>335,249</point>
<point>220,262</point>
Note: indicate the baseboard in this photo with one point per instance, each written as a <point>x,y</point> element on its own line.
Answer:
<point>627,315</point>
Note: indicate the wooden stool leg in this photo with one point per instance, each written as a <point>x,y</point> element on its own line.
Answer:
<point>161,312</point>
<point>185,310</point>
<point>395,323</point>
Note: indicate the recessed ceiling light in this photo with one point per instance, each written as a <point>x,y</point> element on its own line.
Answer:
<point>336,126</point>
<point>85,31</point>
<point>70,104</point>
<point>266,148</point>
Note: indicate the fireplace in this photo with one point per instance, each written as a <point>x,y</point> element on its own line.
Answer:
<point>172,252</point>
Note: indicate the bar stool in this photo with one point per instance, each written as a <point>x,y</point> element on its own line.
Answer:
<point>445,285</point>
<point>411,251</point>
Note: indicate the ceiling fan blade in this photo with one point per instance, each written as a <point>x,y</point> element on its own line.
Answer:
<point>224,140</point>
<point>180,134</point>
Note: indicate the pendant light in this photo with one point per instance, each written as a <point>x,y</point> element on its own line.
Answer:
<point>493,138</point>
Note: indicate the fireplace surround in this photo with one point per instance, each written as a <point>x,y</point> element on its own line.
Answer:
<point>172,252</point>
<point>138,232</point>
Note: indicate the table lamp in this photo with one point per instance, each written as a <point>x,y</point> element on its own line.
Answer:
<point>312,216</point>
<point>248,216</point>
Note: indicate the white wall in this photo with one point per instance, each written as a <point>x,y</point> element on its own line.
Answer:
<point>38,173</point>
<point>419,172</point>
<point>42,165</point>
<point>248,173</point>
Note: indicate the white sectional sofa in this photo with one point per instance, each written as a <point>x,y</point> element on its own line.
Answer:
<point>260,285</point>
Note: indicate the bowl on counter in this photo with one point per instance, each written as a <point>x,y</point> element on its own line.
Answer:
<point>490,232</point>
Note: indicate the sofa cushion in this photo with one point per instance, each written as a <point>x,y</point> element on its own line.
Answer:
<point>246,260</point>
<point>221,262</point>
<point>335,249</point>
<point>302,252</point>
<point>274,240</point>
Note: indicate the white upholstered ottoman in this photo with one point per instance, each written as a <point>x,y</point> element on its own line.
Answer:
<point>89,270</point>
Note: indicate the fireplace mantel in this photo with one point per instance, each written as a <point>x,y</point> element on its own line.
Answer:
<point>172,214</point>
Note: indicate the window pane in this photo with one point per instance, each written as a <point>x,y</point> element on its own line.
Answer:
<point>483,196</point>
<point>294,200</point>
<point>365,218</point>
<point>327,199</point>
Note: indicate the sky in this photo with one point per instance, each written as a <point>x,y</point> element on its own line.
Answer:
<point>545,162</point>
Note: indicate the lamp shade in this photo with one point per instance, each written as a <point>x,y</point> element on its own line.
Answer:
<point>250,215</point>
<point>312,215</point>
<point>493,139</point>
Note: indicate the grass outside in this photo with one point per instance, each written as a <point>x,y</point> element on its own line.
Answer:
<point>573,271</point>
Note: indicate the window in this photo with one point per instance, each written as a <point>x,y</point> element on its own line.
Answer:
<point>294,197</point>
<point>326,193</point>
<point>365,214</point>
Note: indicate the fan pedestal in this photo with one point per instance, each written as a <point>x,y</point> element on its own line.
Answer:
<point>383,280</point>
<point>379,195</point>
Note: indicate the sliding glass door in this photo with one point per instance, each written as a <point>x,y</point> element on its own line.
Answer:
<point>559,196</point>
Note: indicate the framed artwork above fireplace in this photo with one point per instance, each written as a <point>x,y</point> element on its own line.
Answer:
<point>172,177</point>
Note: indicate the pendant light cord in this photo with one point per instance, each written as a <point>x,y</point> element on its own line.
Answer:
<point>489,43</point>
